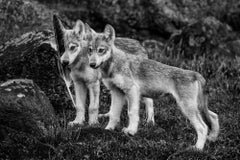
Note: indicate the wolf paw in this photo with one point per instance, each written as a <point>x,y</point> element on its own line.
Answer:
<point>212,138</point>
<point>151,121</point>
<point>129,131</point>
<point>109,127</point>
<point>72,123</point>
<point>93,123</point>
<point>193,148</point>
<point>93,119</point>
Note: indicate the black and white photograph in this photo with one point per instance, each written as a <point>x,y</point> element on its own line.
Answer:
<point>119,79</point>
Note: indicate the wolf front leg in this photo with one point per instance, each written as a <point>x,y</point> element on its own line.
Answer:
<point>81,92</point>
<point>133,113</point>
<point>94,93</point>
<point>117,102</point>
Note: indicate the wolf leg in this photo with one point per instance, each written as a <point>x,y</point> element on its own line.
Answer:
<point>215,126</point>
<point>81,92</point>
<point>117,102</point>
<point>190,110</point>
<point>94,93</point>
<point>107,114</point>
<point>149,110</point>
<point>133,113</point>
<point>103,115</point>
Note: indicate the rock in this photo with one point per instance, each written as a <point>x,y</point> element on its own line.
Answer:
<point>32,56</point>
<point>25,108</point>
<point>204,37</point>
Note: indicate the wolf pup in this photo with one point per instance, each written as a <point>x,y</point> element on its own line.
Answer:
<point>132,77</point>
<point>74,46</point>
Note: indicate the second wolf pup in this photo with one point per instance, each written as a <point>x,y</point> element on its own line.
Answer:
<point>131,77</point>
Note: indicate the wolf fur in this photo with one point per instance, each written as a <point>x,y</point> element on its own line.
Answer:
<point>131,77</point>
<point>76,68</point>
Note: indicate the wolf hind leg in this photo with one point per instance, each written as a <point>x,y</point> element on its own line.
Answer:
<point>190,109</point>
<point>94,93</point>
<point>81,93</point>
<point>117,102</point>
<point>149,110</point>
<point>215,126</point>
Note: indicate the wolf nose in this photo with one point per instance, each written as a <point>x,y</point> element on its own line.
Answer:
<point>93,65</point>
<point>65,64</point>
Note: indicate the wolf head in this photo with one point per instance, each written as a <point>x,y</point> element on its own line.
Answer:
<point>72,41</point>
<point>100,45</point>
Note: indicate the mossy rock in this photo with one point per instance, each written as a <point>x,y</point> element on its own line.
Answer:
<point>25,108</point>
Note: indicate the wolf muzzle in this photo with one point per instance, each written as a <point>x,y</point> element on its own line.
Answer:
<point>65,63</point>
<point>93,65</point>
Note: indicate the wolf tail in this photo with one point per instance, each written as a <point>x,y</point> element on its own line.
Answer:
<point>209,117</point>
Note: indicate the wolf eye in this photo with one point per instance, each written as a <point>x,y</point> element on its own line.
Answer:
<point>101,50</point>
<point>72,47</point>
<point>90,49</point>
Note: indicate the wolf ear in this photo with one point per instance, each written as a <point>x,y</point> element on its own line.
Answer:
<point>109,33</point>
<point>88,29</point>
<point>89,32</point>
<point>79,27</point>
<point>59,33</point>
<point>57,23</point>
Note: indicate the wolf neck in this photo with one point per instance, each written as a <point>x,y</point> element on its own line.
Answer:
<point>107,67</point>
